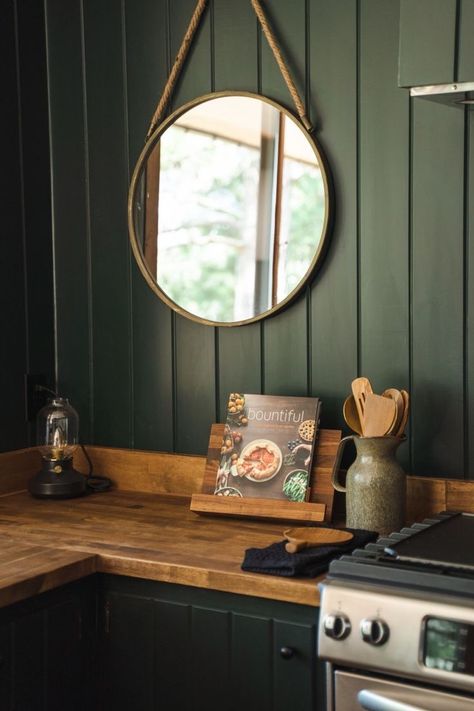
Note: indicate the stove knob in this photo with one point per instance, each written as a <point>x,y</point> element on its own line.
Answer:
<point>374,631</point>
<point>337,626</point>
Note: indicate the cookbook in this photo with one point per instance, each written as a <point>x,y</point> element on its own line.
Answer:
<point>268,447</point>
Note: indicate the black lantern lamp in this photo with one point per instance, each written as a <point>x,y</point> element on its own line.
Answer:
<point>57,429</point>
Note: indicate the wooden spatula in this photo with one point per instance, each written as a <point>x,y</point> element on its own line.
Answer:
<point>306,537</point>
<point>379,415</point>
<point>361,387</point>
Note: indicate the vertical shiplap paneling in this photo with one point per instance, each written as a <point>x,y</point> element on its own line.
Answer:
<point>110,255</point>
<point>469,293</point>
<point>437,276</point>
<point>384,201</point>
<point>236,68</point>
<point>418,63</point>
<point>285,336</point>
<point>333,318</point>
<point>71,229</point>
<point>195,385</point>
<point>146,30</point>
<point>235,31</point>
<point>13,345</point>
<point>36,191</point>
<point>466,45</point>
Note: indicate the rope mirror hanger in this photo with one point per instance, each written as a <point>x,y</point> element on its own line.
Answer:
<point>184,49</point>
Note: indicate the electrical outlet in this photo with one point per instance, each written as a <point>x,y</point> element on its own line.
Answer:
<point>35,398</point>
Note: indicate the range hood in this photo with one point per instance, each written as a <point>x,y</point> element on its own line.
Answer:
<point>460,94</point>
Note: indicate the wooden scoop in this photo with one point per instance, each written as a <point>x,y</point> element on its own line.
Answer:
<point>299,538</point>
<point>406,408</point>
<point>351,416</point>
<point>397,396</point>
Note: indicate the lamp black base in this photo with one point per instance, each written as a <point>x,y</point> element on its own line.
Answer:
<point>57,480</point>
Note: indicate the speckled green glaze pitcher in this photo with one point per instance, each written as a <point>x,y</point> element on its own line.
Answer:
<point>375,485</point>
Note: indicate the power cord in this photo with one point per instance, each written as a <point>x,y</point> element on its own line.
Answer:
<point>95,483</point>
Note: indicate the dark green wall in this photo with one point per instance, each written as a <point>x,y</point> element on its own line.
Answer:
<point>26,268</point>
<point>393,299</point>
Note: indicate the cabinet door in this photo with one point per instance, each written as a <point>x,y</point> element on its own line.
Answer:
<point>168,648</point>
<point>46,644</point>
<point>126,679</point>
<point>428,42</point>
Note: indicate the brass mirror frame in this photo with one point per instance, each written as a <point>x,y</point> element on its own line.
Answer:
<point>137,250</point>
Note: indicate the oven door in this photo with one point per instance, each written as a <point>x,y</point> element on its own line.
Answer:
<point>354,691</point>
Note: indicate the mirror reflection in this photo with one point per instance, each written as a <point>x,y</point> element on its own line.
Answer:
<point>228,208</point>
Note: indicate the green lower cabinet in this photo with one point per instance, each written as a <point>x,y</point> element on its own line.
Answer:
<point>46,651</point>
<point>173,648</point>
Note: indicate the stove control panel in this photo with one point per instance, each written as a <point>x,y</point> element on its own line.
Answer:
<point>374,631</point>
<point>336,626</point>
<point>417,635</point>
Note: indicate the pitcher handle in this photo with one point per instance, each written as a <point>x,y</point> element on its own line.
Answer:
<point>337,463</point>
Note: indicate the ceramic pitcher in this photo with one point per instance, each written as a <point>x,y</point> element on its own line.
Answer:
<point>375,485</point>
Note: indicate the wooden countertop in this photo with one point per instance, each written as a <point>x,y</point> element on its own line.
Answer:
<point>46,543</point>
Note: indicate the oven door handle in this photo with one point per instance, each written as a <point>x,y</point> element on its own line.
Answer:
<point>374,701</point>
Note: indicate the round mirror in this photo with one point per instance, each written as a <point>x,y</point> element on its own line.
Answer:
<point>228,208</point>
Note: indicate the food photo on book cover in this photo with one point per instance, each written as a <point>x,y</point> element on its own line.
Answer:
<point>268,447</point>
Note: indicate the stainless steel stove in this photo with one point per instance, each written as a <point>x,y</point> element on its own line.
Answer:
<point>397,621</point>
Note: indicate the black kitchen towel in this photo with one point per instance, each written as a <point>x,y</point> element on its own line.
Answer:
<point>309,562</point>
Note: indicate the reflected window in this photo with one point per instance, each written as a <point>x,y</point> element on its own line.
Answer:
<point>240,192</point>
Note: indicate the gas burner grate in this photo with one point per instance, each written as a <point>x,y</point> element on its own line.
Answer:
<point>376,564</point>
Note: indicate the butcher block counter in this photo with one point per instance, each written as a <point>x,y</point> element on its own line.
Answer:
<point>45,543</point>
<point>142,529</point>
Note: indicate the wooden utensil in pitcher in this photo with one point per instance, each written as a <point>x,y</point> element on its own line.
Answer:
<point>361,387</point>
<point>380,413</point>
<point>397,397</point>
<point>351,415</point>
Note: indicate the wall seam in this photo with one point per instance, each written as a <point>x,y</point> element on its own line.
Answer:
<point>126,140</point>
<point>88,240</point>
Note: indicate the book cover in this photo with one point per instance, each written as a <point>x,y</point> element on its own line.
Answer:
<point>268,446</point>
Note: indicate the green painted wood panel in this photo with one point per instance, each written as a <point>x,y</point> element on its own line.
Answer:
<point>334,295</point>
<point>437,290</point>
<point>251,660</point>
<point>172,655</point>
<point>469,272</point>
<point>427,42</point>
<point>210,652</point>
<point>147,60</point>
<point>384,202</point>
<point>36,207</point>
<point>285,341</point>
<point>294,677</point>
<point>235,48</point>
<point>109,250</point>
<point>344,57</point>
<point>71,233</point>
<point>466,45</point>
<point>27,650</point>
<point>13,345</point>
<point>127,678</point>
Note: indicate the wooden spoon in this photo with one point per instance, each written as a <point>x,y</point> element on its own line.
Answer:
<point>360,388</point>
<point>379,415</point>
<point>404,420</point>
<point>351,416</point>
<point>299,538</point>
<point>395,395</point>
